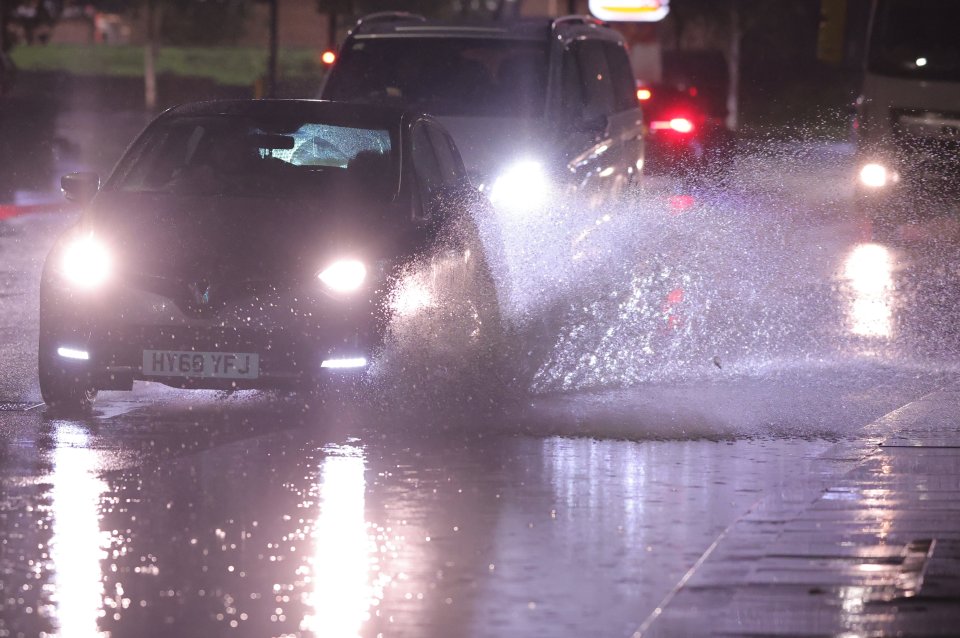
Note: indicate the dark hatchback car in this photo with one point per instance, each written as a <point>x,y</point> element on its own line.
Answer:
<point>540,108</point>
<point>249,244</point>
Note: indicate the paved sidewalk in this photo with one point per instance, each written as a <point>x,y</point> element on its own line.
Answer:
<point>867,545</point>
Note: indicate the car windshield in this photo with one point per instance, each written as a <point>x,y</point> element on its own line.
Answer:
<point>917,38</point>
<point>444,76</point>
<point>225,155</point>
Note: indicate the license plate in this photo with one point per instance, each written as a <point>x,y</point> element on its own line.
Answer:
<point>207,365</point>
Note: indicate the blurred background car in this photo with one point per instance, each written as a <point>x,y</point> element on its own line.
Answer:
<point>683,135</point>
<point>686,114</point>
<point>539,107</point>
<point>907,125</point>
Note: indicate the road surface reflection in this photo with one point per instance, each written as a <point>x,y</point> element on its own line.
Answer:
<point>869,270</point>
<point>78,545</point>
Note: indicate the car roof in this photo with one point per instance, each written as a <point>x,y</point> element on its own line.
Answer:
<point>399,24</point>
<point>359,115</point>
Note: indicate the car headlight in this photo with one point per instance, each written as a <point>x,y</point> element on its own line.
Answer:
<point>344,275</point>
<point>86,262</point>
<point>875,175</point>
<point>522,188</point>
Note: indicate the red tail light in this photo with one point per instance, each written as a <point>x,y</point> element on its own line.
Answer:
<point>328,57</point>
<point>644,94</point>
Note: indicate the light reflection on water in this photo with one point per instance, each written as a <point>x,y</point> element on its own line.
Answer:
<point>869,270</point>
<point>78,544</point>
<point>344,552</point>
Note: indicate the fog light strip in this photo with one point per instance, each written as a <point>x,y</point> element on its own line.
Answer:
<point>357,362</point>
<point>70,353</point>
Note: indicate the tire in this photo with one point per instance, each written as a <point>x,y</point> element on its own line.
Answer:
<point>66,387</point>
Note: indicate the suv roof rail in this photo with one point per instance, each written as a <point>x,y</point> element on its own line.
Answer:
<point>577,19</point>
<point>388,16</point>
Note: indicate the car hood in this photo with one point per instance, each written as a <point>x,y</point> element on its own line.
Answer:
<point>487,144</point>
<point>226,238</point>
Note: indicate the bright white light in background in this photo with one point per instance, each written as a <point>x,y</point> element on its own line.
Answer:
<point>344,275</point>
<point>70,353</point>
<point>522,188</point>
<point>355,362</point>
<point>921,62</point>
<point>869,269</point>
<point>344,552</point>
<point>86,262</point>
<point>681,125</point>
<point>630,10</point>
<point>874,175</point>
<point>77,545</point>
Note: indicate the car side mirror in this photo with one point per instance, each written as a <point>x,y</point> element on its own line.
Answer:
<point>80,187</point>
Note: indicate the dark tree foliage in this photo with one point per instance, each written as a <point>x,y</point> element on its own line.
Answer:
<point>203,21</point>
<point>183,21</point>
<point>29,20</point>
<point>353,9</point>
<point>779,29</point>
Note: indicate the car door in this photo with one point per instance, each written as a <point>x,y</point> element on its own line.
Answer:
<point>625,123</point>
<point>587,102</point>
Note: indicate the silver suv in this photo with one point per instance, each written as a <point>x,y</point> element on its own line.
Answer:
<point>539,108</point>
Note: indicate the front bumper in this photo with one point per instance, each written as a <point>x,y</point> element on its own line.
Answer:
<point>291,332</point>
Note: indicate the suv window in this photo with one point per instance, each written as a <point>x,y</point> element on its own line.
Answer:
<point>621,76</point>
<point>444,76</point>
<point>587,83</point>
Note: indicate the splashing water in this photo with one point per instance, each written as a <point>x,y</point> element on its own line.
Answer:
<point>743,274</point>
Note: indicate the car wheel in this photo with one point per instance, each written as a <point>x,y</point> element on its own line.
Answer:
<point>66,387</point>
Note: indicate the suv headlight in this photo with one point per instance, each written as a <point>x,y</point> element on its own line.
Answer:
<point>86,262</point>
<point>876,175</point>
<point>344,275</point>
<point>522,188</point>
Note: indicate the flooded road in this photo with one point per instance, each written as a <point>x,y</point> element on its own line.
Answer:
<point>195,515</point>
<point>650,421</point>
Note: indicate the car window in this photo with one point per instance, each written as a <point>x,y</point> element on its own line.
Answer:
<point>621,77</point>
<point>444,76</point>
<point>571,89</point>
<point>229,155</point>
<point>596,85</point>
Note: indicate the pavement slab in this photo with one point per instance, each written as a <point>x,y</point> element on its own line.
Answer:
<point>872,549</point>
